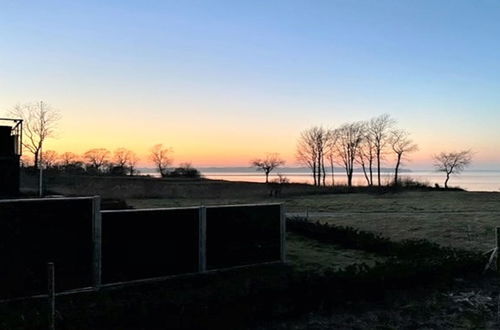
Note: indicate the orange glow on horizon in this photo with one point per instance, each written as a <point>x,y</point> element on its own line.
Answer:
<point>213,142</point>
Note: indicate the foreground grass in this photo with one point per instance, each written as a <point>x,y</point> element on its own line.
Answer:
<point>464,305</point>
<point>310,255</point>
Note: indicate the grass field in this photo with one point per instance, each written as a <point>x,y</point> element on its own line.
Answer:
<point>458,219</point>
<point>453,218</point>
<point>311,255</point>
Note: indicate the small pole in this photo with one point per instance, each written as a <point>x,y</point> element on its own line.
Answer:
<point>497,236</point>
<point>40,176</point>
<point>283,248</point>
<point>40,164</point>
<point>96,242</point>
<point>52,295</point>
<point>202,239</point>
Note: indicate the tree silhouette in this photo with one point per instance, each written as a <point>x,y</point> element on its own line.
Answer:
<point>160,156</point>
<point>379,129</point>
<point>311,150</point>
<point>349,141</point>
<point>268,163</point>
<point>39,124</point>
<point>97,158</point>
<point>49,158</point>
<point>452,162</point>
<point>401,144</point>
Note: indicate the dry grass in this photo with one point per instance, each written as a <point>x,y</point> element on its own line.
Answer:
<point>460,230</point>
<point>454,218</point>
<point>428,201</point>
<point>458,219</point>
<point>310,255</point>
<point>181,202</point>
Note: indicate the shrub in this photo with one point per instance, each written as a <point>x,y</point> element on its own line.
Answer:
<point>184,171</point>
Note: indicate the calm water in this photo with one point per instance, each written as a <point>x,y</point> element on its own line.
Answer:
<point>469,180</point>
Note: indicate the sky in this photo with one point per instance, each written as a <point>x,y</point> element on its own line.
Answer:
<point>223,82</point>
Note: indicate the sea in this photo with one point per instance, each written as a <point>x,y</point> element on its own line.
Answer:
<point>471,180</point>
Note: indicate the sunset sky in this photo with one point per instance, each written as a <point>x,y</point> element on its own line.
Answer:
<point>222,82</point>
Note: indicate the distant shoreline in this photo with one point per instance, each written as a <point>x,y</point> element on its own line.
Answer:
<point>241,169</point>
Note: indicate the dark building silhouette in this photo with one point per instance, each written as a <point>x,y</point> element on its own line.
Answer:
<point>10,153</point>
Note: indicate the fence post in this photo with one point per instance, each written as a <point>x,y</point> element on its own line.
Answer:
<point>283,233</point>
<point>202,239</point>
<point>497,238</point>
<point>51,286</point>
<point>96,241</point>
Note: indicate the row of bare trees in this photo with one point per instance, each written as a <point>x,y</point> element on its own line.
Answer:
<point>121,161</point>
<point>363,143</point>
<point>98,160</point>
<point>40,122</point>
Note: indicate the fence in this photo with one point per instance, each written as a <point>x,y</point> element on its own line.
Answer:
<point>33,232</point>
<point>92,248</point>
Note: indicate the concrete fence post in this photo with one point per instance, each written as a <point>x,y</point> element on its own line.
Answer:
<point>497,238</point>
<point>96,241</point>
<point>202,239</point>
<point>283,233</point>
<point>51,288</point>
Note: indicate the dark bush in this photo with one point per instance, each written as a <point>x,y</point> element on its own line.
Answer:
<point>184,172</point>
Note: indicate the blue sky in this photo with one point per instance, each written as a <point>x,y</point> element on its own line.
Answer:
<point>233,79</point>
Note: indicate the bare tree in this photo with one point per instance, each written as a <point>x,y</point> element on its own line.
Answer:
<point>379,129</point>
<point>71,163</point>
<point>39,123</point>
<point>330,153</point>
<point>366,156</point>
<point>452,163</point>
<point>268,164</point>
<point>97,158</point>
<point>401,145</point>
<point>49,158</point>
<point>68,158</point>
<point>306,152</point>
<point>160,156</point>
<point>121,157</point>
<point>349,141</point>
<point>132,162</point>
<point>311,150</point>
<point>125,160</point>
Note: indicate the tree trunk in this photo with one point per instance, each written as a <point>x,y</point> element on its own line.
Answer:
<point>348,175</point>
<point>318,173</point>
<point>396,182</point>
<point>323,171</point>
<point>333,176</point>
<point>378,168</point>
<point>446,181</point>
<point>371,171</point>
<point>314,172</point>
<point>36,156</point>
<point>267,176</point>
<point>366,175</point>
